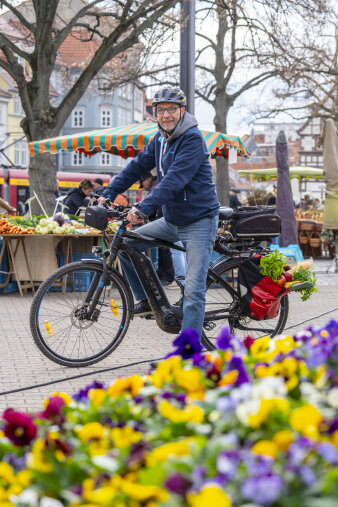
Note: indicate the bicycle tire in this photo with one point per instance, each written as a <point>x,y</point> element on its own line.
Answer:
<point>224,297</point>
<point>52,306</point>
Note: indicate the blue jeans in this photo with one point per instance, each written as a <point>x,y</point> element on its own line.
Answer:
<point>179,261</point>
<point>198,239</point>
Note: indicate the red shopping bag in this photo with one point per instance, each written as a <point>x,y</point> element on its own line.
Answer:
<point>259,295</point>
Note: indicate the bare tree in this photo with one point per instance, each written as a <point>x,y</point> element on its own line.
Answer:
<point>255,42</point>
<point>116,25</point>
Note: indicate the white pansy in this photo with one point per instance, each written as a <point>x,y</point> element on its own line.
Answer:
<point>332,397</point>
<point>246,409</point>
<point>269,387</point>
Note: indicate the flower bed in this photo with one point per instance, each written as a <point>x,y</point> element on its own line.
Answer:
<point>252,424</point>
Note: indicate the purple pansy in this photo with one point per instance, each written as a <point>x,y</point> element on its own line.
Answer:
<point>236,363</point>
<point>263,490</point>
<point>187,344</point>
<point>178,484</point>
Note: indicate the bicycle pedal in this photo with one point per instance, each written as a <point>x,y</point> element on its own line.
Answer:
<point>149,316</point>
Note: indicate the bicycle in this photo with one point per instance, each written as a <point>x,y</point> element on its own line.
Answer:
<point>81,312</point>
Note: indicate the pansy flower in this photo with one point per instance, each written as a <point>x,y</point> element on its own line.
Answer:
<point>20,428</point>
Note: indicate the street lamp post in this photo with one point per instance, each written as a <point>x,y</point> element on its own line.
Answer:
<point>187,53</point>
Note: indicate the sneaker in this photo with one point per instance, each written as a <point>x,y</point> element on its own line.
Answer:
<point>172,285</point>
<point>142,308</point>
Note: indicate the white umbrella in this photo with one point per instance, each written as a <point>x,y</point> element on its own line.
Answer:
<point>330,161</point>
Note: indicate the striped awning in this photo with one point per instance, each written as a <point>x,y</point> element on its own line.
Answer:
<point>128,141</point>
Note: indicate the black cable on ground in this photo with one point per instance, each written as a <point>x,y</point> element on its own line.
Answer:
<point>51,382</point>
<point>312,318</point>
<point>79,376</point>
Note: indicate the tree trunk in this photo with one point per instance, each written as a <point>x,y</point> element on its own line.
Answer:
<point>42,178</point>
<point>42,168</point>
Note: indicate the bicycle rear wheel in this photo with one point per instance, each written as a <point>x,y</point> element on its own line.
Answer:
<point>58,319</point>
<point>221,299</point>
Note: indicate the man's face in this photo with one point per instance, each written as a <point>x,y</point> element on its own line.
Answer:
<point>96,185</point>
<point>168,121</point>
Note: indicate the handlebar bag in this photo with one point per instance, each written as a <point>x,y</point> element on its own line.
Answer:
<point>97,217</point>
<point>259,295</point>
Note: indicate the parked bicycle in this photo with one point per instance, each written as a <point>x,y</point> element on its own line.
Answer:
<point>82,311</point>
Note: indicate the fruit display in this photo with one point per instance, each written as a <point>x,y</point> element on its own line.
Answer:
<point>56,225</point>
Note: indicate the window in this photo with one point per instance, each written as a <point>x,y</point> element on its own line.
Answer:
<point>303,159</point>
<point>106,117</point>
<point>21,154</point>
<point>77,158</point>
<point>18,110</point>
<point>78,117</point>
<point>124,116</point>
<point>106,159</point>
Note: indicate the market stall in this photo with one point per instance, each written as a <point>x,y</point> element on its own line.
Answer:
<point>29,254</point>
<point>309,222</point>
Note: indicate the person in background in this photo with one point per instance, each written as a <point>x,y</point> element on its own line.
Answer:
<point>78,197</point>
<point>234,201</point>
<point>98,186</point>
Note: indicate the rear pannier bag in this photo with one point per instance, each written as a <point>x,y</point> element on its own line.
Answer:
<point>257,222</point>
<point>259,296</point>
<point>97,217</point>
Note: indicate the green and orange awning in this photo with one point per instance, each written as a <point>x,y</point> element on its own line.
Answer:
<point>128,141</point>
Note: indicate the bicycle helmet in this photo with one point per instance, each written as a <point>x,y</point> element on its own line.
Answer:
<point>170,94</point>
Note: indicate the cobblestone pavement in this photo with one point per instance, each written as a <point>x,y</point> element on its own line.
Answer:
<point>22,364</point>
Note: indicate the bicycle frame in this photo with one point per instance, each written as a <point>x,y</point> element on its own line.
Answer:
<point>167,316</point>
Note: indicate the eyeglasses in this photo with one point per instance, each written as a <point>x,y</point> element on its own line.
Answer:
<point>171,110</point>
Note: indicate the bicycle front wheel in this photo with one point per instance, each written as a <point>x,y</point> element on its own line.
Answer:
<point>59,322</point>
<point>222,309</point>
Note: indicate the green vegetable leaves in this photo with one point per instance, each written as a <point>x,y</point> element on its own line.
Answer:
<point>305,275</point>
<point>273,264</point>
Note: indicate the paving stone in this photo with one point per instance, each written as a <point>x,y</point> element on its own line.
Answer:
<point>22,364</point>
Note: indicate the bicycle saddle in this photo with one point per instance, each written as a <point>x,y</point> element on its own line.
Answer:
<point>225,212</point>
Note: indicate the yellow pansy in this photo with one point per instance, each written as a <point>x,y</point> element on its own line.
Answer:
<point>124,437</point>
<point>320,378</point>
<point>303,369</point>
<point>1,434</point>
<point>306,420</point>
<point>211,494</point>
<point>190,380</point>
<point>165,370</point>
<point>265,448</point>
<point>334,438</point>
<point>262,371</point>
<point>284,345</point>
<point>66,398</point>
<point>97,396</point>
<point>143,492</point>
<point>103,496</point>
<point>292,382</point>
<point>130,385</point>
<point>289,366</point>
<point>92,430</point>
<point>163,452</point>
<point>283,439</point>
<point>6,472</point>
<point>265,409</point>
<point>229,378</point>
<point>189,413</point>
<point>37,460</point>
<point>260,346</point>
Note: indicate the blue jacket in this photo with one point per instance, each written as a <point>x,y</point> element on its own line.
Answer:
<point>185,188</point>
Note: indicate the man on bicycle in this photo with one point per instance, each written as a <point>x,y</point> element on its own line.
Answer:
<point>185,191</point>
